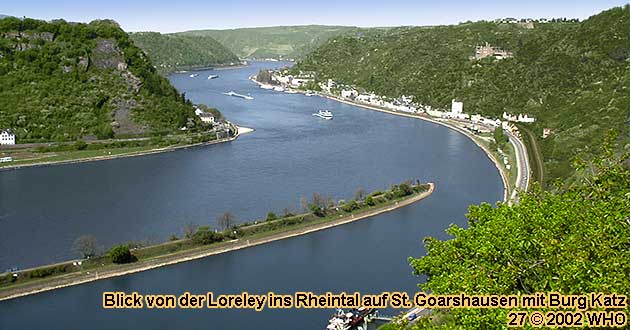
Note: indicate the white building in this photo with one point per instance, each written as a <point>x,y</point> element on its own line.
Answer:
<point>7,137</point>
<point>349,93</point>
<point>207,118</point>
<point>525,119</point>
<point>457,107</point>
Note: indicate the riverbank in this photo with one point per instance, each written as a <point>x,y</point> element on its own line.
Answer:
<point>502,171</point>
<point>133,153</point>
<point>257,238</point>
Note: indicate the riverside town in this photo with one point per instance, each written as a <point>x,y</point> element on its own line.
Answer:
<point>337,165</point>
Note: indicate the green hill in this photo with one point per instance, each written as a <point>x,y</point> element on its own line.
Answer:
<point>171,52</point>
<point>275,42</point>
<point>572,77</point>
<point>63,81</point>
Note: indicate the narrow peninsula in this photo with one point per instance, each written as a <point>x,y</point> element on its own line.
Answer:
<point>203,241</point>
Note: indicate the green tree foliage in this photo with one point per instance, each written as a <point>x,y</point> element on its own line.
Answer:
<point>120,254</point>
<point>205,235</point>
<point>271,216</point>
<point>574,241</point>
<point>571,76</point>
<point>171,52</point>
<point>500,138</point>
<point>277,41</point>
<point>64,81</point>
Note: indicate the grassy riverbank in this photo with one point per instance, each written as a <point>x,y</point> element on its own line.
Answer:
<point>204,241</point>
<point>58,154</point>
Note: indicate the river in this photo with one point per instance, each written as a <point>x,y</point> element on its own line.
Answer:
<point>291,154</point>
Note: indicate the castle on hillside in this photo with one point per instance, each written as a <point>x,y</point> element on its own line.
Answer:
<point>487,50</point>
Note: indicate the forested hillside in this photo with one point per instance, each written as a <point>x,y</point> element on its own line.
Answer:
<point>574,241</point>
<point>63,81</point>
<point>573,77</point>
<point>275,42</point>
<point>170,52</point>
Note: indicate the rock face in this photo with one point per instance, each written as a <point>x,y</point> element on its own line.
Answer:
<point>123,122</point>
<point>106,54</point>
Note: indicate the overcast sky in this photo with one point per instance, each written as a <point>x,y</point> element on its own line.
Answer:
<point>181,15</point>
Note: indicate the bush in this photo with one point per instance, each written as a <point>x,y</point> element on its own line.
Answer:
<point>204,235</point>
<point>80,145</point>
<point>271,216</point>
<point>370,201</point>
<point>350,206</point>
<point>121,255</point>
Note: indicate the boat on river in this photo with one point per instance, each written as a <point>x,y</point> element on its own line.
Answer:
<point>193,75</point>
<point>213,76</point>
<point>324,114</point>
<point>235,94</point>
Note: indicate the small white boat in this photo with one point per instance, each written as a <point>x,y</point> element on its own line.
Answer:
<point>324,114</point>
<point>290,91</point>
<point>235,94</point>
<point>213,76</point>
<point>266,86</point>
<point>309,94</point>
<point>193,75</point>
<point>278,89</point>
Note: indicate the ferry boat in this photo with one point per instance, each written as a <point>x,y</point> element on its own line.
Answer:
<point>213,76</point>
<point>235,94</point>
<point>193,75</point>
<point>354,319</point>
<point>324,114</point>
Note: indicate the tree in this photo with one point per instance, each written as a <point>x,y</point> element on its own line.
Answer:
<point>225,221</point>
<point>572,241</point>
<point>499,137</point>
<point>190,229</point>
<point>120,254</point>
<point>85,246</point>
<point>205,235</point>
<point>271,216</point>
<point>304,204</point>
<point>287,212</point>
<point>359,194</point>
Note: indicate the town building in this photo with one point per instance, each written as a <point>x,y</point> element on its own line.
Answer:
<point>207,117</point>
<point>7,137</point>
<point>520,118</point>
<point>457,107</point>
<point>349,93</point>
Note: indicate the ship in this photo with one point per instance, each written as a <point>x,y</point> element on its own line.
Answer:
<point>353,319</point>
<point>193,75</point>
<point>213,76</point>
<point>266,86</point>
<point>278,89</point>
<point>235,94</point>
<point>324,114</point>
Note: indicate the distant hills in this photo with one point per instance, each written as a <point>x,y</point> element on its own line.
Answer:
<point>275,42</point>
<point>170,52</point>
<point>572,77</point>
<point>64,81</point>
